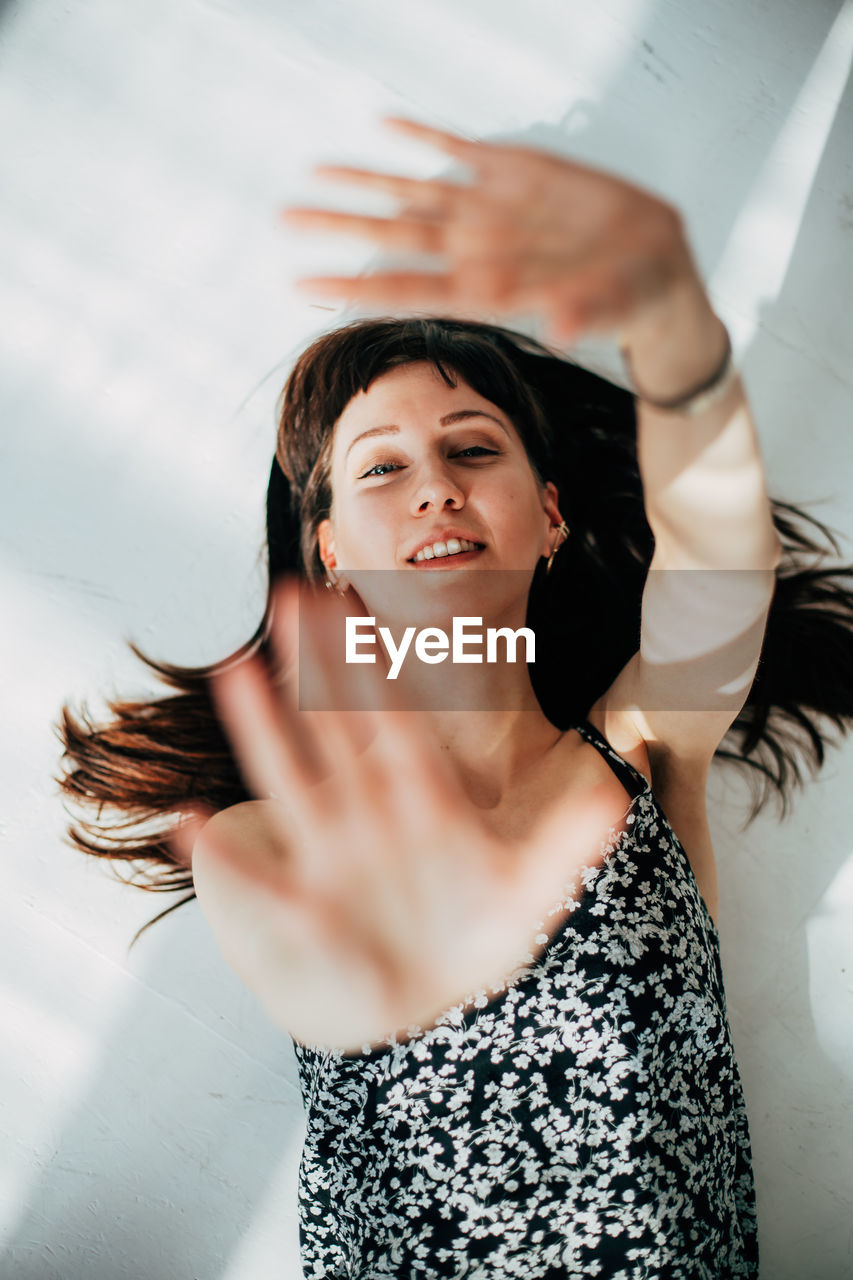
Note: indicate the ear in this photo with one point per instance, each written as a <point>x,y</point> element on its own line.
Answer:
<point>326,544</point>
<point>551,509</point>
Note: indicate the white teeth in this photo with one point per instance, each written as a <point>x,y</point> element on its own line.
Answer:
<point>452,547</point>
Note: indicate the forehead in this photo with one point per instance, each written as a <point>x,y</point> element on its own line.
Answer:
<point>413,391</point>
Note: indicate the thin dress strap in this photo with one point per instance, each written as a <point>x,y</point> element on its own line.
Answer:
<point>632,780</point>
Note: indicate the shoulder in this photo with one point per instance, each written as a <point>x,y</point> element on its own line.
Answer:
<point>239,851</point>
<point>236,856</point>
<point>249,826</point>
<point>679,787</point>
<point>617,728</point>
<point>663,768</point>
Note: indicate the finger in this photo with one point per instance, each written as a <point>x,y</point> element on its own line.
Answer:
<point>264,743</point>
<point>586,300</point>
<point>333,701</point>
<point>361,686</point>
<point>425,193</point>
<point>311,632</point>
<point>372,873</point>
<point>364,704</point>
<point>391,233</point>
<point>599,313</point>
<point>377,790</point>
<point>341,733</point>
<point>356,701</point>
<point>468,149</point>
<point>565,324</point>
<point>275,754</point>
<point>396,288</point>
<point>488,282</point>
<point>298,638</point>
<point>421,795</point>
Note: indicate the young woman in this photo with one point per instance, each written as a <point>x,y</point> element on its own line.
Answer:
<point>481,897</point>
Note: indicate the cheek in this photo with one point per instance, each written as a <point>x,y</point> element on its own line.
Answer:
<point>519,507</point>
<point>366,528</point>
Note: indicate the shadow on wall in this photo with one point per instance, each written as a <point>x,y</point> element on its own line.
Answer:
<point>163,1172</point>
<point>164,1160</point>
<point>800,1102</point>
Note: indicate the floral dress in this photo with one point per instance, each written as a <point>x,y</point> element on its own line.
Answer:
<point>585,1120</point>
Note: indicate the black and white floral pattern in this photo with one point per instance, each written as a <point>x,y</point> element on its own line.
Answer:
<point>587,1120</point>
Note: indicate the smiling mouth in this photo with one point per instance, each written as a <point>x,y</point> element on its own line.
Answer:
<point>429,558</point>
<point>447,562</point>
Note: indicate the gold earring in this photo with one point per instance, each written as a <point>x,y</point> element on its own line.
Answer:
<point>562,533</point>
<point>338,585</point>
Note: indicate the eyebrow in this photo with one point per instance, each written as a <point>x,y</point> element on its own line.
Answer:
<point>458,415</point>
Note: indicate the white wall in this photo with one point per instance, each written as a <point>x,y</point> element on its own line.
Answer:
<point>150,1115</point>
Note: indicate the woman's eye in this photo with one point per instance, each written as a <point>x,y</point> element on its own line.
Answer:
<point>382,468</point>
<point>377,470</point>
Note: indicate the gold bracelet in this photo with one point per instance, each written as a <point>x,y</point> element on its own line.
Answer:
<point>700,399</point>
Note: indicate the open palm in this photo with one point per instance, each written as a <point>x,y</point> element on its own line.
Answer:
<point>388,900</point>
<point>533,231</point>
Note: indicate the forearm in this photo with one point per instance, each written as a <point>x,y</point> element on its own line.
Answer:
<point>703,477</point>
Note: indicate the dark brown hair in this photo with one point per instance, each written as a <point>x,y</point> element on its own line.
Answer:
<point>139,772</point>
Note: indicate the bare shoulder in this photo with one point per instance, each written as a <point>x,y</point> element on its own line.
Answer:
<point>234,854</point>
<point>679,785</point>
<point>247,826</point>
<point>617,728</point>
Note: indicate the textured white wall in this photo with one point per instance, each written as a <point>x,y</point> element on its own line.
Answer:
<point>150,1115</point>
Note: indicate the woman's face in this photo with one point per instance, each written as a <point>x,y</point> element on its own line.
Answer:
<point>416,462</point>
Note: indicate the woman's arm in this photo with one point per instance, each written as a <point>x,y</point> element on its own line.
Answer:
<point>596,254</point>
<point>703,477</point>
<point>712,576</point>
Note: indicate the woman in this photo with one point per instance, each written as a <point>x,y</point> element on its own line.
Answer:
<point>480,898</point>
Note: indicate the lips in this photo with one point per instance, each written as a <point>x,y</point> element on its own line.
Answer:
<point>453,561</point>
<point>445,536</point>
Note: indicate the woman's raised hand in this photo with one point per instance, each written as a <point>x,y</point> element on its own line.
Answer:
<point>533,231</point>
<point>386,900</point>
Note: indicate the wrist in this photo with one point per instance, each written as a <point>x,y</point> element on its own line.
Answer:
<point>676,348</point>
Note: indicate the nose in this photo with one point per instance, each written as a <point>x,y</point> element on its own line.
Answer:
<point>436,490</point>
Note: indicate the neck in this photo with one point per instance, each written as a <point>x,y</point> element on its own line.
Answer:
<point>485,719</point>
<point>489,750</point>
<point>472,687</point>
